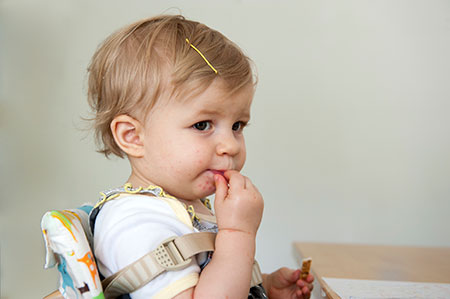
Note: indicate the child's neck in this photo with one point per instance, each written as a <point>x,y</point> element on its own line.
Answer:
<point>137,181</point>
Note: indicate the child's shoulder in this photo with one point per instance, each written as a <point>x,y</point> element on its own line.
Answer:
<point>144,207</point>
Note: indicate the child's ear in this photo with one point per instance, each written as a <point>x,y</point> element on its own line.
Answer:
<point>128,134</point>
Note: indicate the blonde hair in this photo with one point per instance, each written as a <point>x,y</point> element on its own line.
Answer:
<point>134,65</point>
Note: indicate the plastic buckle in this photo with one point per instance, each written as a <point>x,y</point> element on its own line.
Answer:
<point>169,257</point>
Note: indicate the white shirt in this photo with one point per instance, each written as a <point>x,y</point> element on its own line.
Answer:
<point>132,225</point>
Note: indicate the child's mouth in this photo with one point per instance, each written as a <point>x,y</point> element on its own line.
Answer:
<point>221,172</point>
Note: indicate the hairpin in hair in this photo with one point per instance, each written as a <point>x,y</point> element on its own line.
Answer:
<point>200,53</point>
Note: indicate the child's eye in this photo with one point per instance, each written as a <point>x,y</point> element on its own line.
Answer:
<point>203,125</point>
<point>237,126</point>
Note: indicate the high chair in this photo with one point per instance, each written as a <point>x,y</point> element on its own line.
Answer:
<point>68,241</point>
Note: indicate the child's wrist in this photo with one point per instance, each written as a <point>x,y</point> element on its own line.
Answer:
<point>238,231</point>
<point>231,240</point>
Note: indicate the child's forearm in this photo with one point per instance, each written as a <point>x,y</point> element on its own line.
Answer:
<point>230,270</point>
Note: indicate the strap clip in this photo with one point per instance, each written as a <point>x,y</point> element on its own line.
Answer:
<point>169,257</point>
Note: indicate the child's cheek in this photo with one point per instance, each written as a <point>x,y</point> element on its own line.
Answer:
<point>207,186</point>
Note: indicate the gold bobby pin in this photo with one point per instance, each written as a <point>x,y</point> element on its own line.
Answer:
<point>204,58</point>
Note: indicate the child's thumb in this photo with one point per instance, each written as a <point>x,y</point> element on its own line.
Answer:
<point>221,187</point>
<point>290,275</point>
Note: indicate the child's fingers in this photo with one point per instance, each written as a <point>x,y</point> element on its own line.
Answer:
<point>306,293</point>
<point>228,173</point>
<point>235,179</point>
<point>221,187</point>
<point>303,284</point>
<point>295,275</point>
<point>300,295</point>
<point>249,185</point>
<point>310,278</point>
<point>303,293</point>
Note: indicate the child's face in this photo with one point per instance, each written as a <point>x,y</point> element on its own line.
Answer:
<point>187,142</point>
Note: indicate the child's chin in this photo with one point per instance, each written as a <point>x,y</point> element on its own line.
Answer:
<point>210,192</point>
<point>205,185</point>
<point>207,190</point>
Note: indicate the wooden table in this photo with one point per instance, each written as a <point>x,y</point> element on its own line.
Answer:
<point>376,262</point>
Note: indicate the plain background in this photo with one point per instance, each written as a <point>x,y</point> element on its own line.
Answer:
<point>349,139</point>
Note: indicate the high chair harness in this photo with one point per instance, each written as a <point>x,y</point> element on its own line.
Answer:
<point>172,254</point>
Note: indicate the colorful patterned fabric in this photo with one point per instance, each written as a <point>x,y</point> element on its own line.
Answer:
<point>67,240</point>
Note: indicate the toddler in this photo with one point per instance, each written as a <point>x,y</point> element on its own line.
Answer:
<point>174,96</point>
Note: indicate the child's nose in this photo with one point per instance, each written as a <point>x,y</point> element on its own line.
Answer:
<point>228,144</point>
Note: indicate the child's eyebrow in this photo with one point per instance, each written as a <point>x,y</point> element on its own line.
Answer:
<point>206,111</point>
<point>215,112</point>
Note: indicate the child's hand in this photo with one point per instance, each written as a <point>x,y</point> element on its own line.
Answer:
<point>238,203</point>
<point>286,283</point>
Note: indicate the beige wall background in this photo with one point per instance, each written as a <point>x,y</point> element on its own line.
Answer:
<point>349,139</point>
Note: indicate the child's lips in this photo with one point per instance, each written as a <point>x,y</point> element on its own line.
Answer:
<point>221,172</point>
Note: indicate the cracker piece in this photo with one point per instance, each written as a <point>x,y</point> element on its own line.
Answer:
<point>306,266</point>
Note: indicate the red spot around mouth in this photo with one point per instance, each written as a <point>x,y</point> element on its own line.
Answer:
<point>208,186</point>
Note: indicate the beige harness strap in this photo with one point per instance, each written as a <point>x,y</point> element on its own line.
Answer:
<point>173,254</point>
